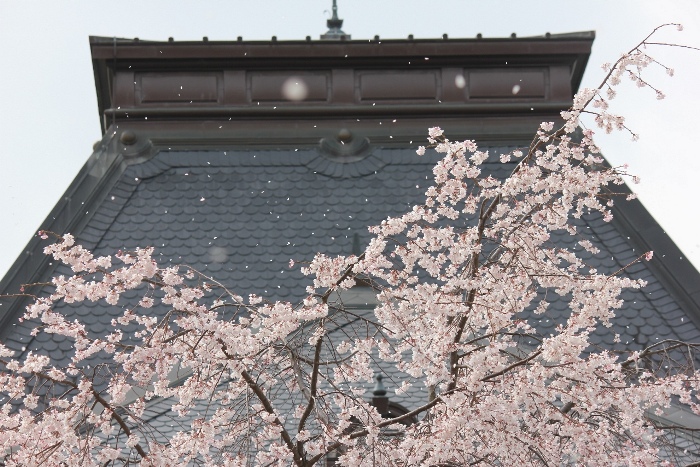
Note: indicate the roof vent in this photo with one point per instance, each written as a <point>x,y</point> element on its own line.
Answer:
<point>334,24</point>
<point>345,147</point>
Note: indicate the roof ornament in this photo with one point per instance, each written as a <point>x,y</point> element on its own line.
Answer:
<point>345,147</point>
<point>385,407</point>
<point>379,389</point>
<point>334,24</point>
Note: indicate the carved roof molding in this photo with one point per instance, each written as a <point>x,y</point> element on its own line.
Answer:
<point>174,81</point>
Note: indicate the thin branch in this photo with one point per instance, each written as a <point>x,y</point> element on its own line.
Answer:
<point>510,367</point>
<point>312,399</point>
<point>255,387</point>
<point>391,421</point>
<point>114,415</point>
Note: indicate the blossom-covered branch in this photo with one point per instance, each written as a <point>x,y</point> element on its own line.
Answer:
<point>459,280</point>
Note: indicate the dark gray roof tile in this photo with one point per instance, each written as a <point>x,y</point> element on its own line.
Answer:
<point>317,211</point>
<point>689,334</point>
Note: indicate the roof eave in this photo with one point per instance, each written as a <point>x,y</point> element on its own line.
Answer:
<point>113,54</point>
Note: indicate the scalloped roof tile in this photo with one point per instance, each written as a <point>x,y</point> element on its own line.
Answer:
<point>242,215</point>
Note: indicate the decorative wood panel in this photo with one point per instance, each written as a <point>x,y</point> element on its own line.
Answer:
<point>507,83</point>
<point>392,85</point>
<point>268,86</point>
<point>178,87</point>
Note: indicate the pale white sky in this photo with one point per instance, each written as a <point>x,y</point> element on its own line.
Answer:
<point>48,109</point>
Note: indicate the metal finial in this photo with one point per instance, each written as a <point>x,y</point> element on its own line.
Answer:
<point>379,389</point>
<point>335,10</point>
<point>334,24</point>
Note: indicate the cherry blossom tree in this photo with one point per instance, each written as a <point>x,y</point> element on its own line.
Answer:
<point>245,381</point>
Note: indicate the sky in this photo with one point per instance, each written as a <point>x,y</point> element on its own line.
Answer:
<point>48,109</point>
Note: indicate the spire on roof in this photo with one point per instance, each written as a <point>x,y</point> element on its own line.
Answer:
<point>334,24</point>
<point>379,389</point>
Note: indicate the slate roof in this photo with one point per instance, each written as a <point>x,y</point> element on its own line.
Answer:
<point>241,215</point>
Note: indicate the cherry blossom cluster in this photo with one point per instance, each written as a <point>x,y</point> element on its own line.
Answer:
<point>631,65</point>
<point>461,282</point>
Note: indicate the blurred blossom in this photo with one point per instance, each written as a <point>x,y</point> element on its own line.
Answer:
<point>295,89</point>
<point>218,254</point>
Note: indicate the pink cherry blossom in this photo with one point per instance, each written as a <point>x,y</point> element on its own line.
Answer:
<point>239,382</point>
